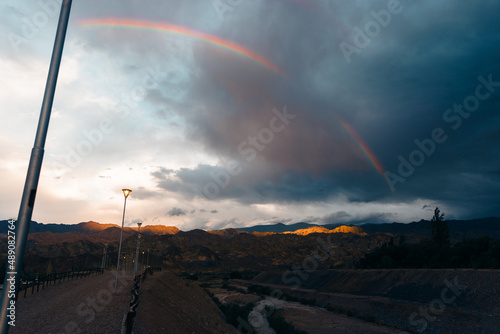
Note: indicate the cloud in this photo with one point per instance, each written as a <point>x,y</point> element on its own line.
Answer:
<point>388,115</point>
<point>136,222</point>
<point>176,212</point>
<point>207,133</point>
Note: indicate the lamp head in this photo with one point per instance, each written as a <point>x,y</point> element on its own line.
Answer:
<point>126,192</point>
<point>139,224</point>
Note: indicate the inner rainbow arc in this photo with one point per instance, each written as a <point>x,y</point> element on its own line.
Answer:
<point>180,30</point>
<point>362,145</point>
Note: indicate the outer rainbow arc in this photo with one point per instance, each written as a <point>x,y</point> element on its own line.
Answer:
<point>214,40</point>
<point>364,148</point>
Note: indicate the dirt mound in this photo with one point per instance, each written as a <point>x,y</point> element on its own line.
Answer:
<point>169,304</point>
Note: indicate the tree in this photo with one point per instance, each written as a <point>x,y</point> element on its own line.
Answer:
<point>440,231</point>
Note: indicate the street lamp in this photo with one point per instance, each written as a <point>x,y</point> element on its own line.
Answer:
<point>126,192</point>
<point>137,249</point>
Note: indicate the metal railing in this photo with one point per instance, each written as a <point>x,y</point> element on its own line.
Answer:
<point>51,279</point>
<point>128,320</point>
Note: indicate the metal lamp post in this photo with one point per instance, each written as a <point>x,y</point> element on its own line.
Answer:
<point>126,192</point>
<point>13,273</point>
<point>137,249</point>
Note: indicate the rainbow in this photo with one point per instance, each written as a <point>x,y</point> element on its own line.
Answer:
<point>361,144</point>
<point>179,30</point>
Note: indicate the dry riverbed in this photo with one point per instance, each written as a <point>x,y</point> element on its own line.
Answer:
<point>312,320</point>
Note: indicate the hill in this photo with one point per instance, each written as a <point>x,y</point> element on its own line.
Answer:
<point>47,234</point>
<point>459,229</point>
<point>65,247</point>
<point>320,229</point>
<point>276,228</point>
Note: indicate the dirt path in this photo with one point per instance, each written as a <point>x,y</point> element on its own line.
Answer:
<point>169,304</point>
<point>87,305</point>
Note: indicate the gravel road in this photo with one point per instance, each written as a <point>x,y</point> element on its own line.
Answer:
<point>87,305</point>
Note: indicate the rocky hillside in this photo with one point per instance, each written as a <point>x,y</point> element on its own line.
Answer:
<point>60,247</point>
<point>459,229</point>
<point>50,234</point>
<point>320,229</point>
<point>200,250</point>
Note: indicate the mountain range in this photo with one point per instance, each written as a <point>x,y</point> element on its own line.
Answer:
<point>93,231</point>
<point>64,247</point>
<point>459,229</point>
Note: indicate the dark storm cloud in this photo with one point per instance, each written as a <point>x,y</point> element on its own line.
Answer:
<point>256,184</point>
<point>162,173</point>
<point>176,212</point>
<point>427,207</point>
<point>143,193</point>
<point>395,90</point>
<point>336,216</point>
<point>342,217</point>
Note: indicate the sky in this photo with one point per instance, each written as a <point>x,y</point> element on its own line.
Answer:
<point>230,113</point>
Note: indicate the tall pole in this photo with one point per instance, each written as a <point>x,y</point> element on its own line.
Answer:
<point>12,276</point>
<point>137,249</point>
<point>126,192</point>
